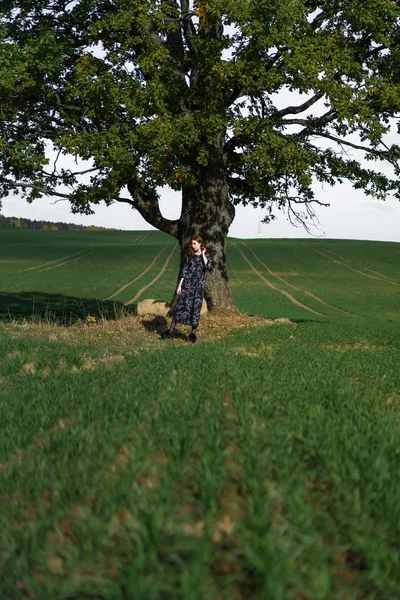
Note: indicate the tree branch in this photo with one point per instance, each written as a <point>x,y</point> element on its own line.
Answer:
<point>174,40</point>
<point>295,110</point>
<point>38,188</point>
<point>189,30</point>
<point>345,142</point>
<point>312,123</point>
<point>236,142</point>
<point>145,200</point>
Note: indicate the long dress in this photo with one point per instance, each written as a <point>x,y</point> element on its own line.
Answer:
<point>187,311</point>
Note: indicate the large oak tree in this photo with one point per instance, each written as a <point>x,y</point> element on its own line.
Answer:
<point>184,93</point>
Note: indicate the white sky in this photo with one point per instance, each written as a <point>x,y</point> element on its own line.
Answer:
<point>351,215</point>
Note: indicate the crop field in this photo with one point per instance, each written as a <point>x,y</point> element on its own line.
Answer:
<point>261,462</point>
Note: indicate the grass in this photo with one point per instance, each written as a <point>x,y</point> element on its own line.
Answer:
<point>260,463</point>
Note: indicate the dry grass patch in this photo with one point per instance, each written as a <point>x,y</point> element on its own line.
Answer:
<point>393,399</point>
<point>219,323</point>
<point>130,331</point>
<point>362,345</point>
<point>264,351</point>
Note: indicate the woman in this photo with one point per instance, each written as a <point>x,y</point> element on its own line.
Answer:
<point>191,289</point>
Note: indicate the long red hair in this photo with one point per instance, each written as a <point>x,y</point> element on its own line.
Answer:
<point>196,238</point>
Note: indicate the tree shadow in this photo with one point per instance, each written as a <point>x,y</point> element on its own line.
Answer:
<point>309,320</point>
<point>58,308</point>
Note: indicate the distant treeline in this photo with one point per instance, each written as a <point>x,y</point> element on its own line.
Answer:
<point>19,223</point>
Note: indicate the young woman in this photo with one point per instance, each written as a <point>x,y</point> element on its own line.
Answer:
<point>191,289</point>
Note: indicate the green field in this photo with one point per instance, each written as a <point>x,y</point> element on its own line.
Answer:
<point>263,462</point>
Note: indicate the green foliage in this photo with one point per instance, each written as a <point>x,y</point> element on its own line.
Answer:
<point>150,89</point>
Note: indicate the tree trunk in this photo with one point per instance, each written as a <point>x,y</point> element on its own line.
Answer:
<point>206,211</point>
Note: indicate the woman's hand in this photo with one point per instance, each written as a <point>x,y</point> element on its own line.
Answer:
<point>179,288</point>
<point>203,250</point>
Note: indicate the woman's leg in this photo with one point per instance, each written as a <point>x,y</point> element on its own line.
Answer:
<point>169,333</point>
<point>192,337</point>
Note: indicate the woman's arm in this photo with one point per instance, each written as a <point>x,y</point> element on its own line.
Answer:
<point>207,260</point>
<point>179,288</point>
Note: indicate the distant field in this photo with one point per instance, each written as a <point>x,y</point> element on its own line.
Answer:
<point>262,462</point>
<point>299,279</point>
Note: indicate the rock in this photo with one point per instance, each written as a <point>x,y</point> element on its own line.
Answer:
<point>152,307</point>
<point>204,309</point>
<point>159,308</point>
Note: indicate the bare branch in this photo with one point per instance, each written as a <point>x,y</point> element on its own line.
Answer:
<point>84,172</point>
<point>295,110</point>
<point>126,200</point>
<point>38,188</point>
<point>56,160</point>
<point>341,142</point>
<point>304,122</point>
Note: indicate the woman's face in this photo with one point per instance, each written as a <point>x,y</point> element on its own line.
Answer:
<point>195,245</point>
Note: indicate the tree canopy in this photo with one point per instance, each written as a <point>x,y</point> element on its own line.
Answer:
<point>189,94</point>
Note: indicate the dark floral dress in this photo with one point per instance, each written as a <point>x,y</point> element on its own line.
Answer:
<point>187,311</point>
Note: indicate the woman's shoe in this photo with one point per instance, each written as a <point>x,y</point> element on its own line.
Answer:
<point>167,335</point>
<point>192,338</point>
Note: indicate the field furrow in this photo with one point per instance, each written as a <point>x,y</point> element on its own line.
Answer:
<point>351,262</point>
<point>140,238</point>
<point>66,262</point>
<point>51,262</point>
<point>343,264</point>
<point>298,288</point>
<point>154,280</point>
<point>272,286</point>
<point>121,289</point>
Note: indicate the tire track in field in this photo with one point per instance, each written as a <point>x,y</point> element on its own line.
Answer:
<point>121,289</point>
<point>389,279</point>
<point>66,262</point>
<point>140,238</point>
<point>339,262</point>
<point>51,262</point>
<point>231,505</point>
<point>272,286</point>
<point>156,278</point>
<point>343,310</point>
<point>146,476</point>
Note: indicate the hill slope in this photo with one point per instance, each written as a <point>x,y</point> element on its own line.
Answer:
<point>78,272</point>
